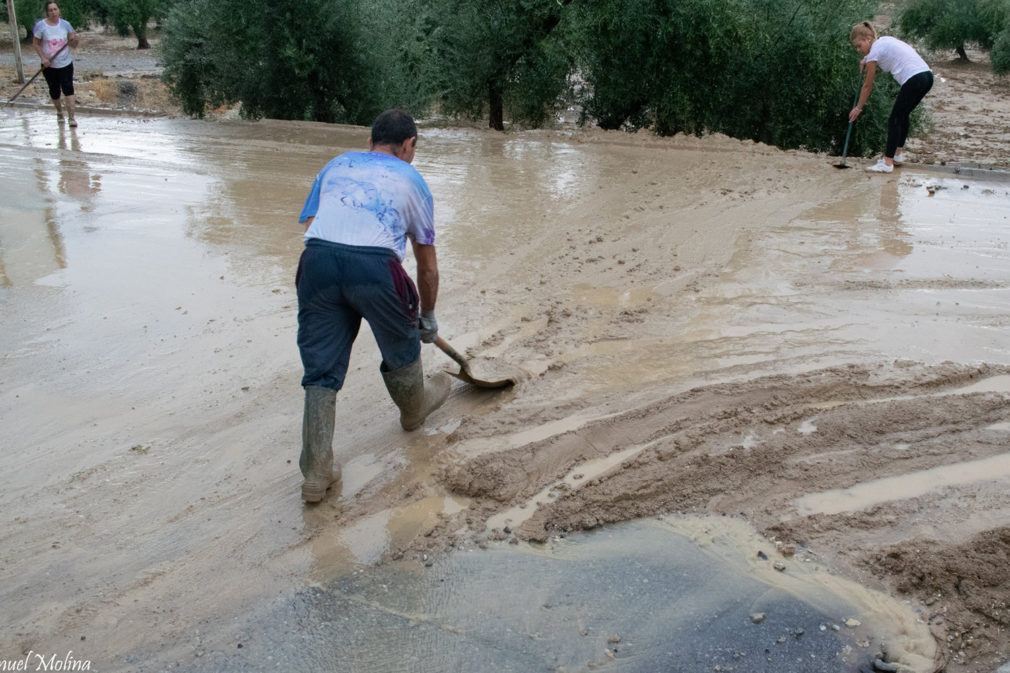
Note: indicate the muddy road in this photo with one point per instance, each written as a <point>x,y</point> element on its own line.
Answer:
<point>708,328</point>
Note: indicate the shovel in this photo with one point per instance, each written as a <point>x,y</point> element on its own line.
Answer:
<point>845,149</point>
<point>21,90</point>
<point>465,374</point>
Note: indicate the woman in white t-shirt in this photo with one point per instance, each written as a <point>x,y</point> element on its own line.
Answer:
<point>911,72</point>
<point>53,38</point>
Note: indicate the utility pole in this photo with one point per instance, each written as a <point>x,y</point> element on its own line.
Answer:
<point>16,39</point>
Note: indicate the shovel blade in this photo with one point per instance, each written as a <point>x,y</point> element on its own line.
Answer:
<point>466,374</point>
<point>481,383</point>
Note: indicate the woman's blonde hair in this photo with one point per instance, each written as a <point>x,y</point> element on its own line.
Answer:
<point>861,30</point>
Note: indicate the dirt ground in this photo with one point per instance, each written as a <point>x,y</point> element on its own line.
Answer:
<point>667,370</point>
<point>110,73</point>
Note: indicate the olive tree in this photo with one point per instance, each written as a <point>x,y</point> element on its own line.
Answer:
<point>489,56</point>
<point>133,16</point>
<point>321,60</point>
<point>946,24</point>
<point>777,72</point>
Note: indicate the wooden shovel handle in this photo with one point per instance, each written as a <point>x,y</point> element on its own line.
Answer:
<point>454,354</point>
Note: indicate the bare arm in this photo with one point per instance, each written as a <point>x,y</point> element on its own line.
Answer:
<point>427,275</point>
<point>864,93</point>
<point>308,221</point>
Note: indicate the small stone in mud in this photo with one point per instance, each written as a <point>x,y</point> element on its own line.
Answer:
<point>853,623</point>
<point>780,566</point>
<point>763,556</point>
<point>884,666</point>
<point>788,550</point>
<point>507,530</point>
<point>613,640</point>
<point>757,617</point>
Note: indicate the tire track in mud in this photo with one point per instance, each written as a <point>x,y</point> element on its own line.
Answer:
<point>703,433</point>
<point>753,448</point>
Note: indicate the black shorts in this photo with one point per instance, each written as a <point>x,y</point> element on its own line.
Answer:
<point>60,79</point>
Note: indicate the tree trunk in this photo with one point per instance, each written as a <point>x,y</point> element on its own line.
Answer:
<point>140,30</point>
<point>961,53</point>
<point>496,115</point>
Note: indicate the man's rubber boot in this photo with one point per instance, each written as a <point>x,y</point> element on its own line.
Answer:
<point>415,397</point>
<point>316,461</point>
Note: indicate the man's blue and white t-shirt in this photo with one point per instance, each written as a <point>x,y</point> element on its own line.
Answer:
<point>370,199</point>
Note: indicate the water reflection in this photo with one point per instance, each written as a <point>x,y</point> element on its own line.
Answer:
<point>75,180</point>
<point>879,236</point>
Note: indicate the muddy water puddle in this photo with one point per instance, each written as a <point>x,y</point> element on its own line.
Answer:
<point>874,492</point>
<point>689,595</point>
<point>897,270</point>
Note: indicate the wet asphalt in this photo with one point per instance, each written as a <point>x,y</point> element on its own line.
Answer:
<point>629,598</point>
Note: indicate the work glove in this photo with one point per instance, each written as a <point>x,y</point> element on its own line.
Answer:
<point>429,327</point>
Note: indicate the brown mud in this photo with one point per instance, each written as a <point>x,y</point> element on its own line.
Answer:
<point>707,326</point>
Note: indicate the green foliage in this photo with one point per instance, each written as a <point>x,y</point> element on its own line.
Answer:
<point>488,55</point>
<point>778,72</point>
<point>946,24</point>
<point>189,61</point>
<point>28,13</point>
<point>954,24</point>
<point>996,15</point>
<point>1000,54</point>
<point>132,16</point>
<point>286,59</point>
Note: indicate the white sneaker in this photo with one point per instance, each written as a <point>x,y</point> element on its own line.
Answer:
<point>880,167</point>
<point>899,159</point>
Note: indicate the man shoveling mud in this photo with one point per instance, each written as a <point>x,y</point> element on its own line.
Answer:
<point>362,209</point>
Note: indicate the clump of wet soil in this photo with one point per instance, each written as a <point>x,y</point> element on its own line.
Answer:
<point>966,589</point>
